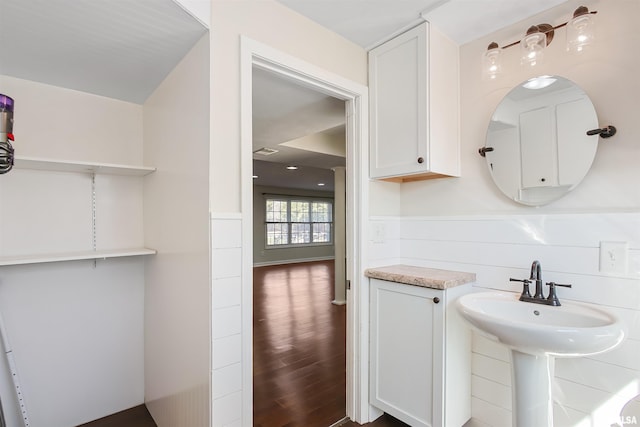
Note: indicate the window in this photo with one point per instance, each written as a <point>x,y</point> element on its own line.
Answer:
<point>298,221</point>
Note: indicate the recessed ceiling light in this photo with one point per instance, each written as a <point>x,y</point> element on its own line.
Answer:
<point>292,168</point>
<point>321,184</point>
<point>265,151</point>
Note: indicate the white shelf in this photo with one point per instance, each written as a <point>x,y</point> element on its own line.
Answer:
<point>74,256</point>
<point>85,167</point>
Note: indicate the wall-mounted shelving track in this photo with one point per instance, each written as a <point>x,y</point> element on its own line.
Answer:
<point>79,167</point>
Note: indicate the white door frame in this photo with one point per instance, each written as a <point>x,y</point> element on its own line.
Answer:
<point>355,95</point>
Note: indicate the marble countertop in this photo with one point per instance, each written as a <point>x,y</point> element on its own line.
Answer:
<point>421,276</point>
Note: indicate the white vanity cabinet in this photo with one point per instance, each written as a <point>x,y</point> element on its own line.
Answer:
<point>414,103</point>
<point>420,354</point>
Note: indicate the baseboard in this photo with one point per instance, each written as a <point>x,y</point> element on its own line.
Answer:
<point>475,423</point>
<point>291,261</point>
<point>340,422</point>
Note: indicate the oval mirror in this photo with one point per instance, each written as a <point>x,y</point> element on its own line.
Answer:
<point>537,147</point>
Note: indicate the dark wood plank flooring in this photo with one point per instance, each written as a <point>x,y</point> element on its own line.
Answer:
<point>385,420</point>
<point>299,347</point>
<point>134,417</point>
<point>299,344</point>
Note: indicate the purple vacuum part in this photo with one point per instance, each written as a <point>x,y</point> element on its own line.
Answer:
<point>6,103</point>
<point>6,133</point>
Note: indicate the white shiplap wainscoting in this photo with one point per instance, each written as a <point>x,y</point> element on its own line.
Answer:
<point>226,319</point>
<point>596,391</point>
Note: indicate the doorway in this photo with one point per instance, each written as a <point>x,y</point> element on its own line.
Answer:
<point>299,316</point>
<point>255,54</point>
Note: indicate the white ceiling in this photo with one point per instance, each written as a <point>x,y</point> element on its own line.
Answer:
<point>303,125</point>
<point>283,110</point>
<point>120,49</point>
<point>369,22</point>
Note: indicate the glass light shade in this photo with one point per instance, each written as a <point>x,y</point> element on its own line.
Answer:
<point>491,63</point>
<point>532,47</point>
<point>580,32</point>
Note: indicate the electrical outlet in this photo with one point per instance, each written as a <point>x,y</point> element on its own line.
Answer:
<point>613,257</point>
<point>379,232</point>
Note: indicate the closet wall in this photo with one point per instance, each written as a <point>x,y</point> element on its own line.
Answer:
<point>76,327</point>
<point>176,223</point>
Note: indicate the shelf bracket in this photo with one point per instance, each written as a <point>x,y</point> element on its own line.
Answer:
<point>93,217</point>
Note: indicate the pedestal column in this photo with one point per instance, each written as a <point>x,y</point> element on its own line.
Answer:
<point>531,390</point>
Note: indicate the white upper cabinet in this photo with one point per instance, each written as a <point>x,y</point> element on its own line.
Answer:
<point>414,96</point>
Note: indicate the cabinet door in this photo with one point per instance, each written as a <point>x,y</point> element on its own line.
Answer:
<point>405,349</point>
<point>538,148</point>
<point>398,95</point>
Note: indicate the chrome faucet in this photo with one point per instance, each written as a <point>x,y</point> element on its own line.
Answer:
<point>538,298</point>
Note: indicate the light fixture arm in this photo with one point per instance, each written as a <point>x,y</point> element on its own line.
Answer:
<point>547,29</point>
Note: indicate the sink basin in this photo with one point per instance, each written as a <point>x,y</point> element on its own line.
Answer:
<point>536,334</point>
<point>573,329</point>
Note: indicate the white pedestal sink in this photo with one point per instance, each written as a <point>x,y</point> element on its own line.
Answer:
<point>536,333</point>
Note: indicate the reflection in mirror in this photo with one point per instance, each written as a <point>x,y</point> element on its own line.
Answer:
<point>537,147</point>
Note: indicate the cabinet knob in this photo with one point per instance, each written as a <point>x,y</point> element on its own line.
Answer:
<point>420,160</point>
<point>436,300</point>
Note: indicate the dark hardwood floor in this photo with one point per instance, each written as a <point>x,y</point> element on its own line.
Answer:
<point>299,344</point>
<point>134,417</point>
<point>299,347</point>
<point>385,420</point>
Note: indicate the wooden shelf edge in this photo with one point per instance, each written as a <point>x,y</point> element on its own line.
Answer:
<point>75,256</point>
<point>84,167</point>
<point>416,177</point>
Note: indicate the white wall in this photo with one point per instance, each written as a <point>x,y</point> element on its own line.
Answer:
<point>176,224</point>
<point>270,256</point>
<point>56,123</point>
<point>76,329</point>
<point>467,224</point>
<point>271,23</point>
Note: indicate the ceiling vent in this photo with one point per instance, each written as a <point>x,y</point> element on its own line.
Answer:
<point>265,151</point>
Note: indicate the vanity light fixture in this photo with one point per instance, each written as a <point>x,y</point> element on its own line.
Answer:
<point>581,30</point>
<point>533,43</point>
<point>492,61</point>
<point>292,168</point>
<point>580,33</point>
